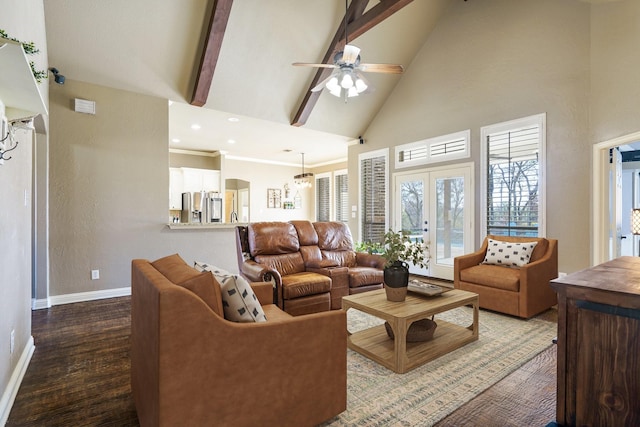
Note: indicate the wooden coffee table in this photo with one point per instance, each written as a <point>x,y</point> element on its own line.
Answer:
<point>397,354</point>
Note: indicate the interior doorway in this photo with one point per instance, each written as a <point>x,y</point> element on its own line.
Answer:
<point>615,193</point>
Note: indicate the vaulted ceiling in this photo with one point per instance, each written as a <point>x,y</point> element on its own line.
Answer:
<point>234,59</point>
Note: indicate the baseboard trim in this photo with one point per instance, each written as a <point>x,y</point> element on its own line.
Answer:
<point>10,393</point>
<point>39,304</point>
<point>89,296</point>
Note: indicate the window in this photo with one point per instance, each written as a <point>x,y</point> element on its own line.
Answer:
<point>513,155</point>
<point>432,150</point>
<point>373,172</point>
<point>341,192</point>
<point>323,197</point>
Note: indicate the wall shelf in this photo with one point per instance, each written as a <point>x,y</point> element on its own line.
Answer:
<point>18,88</point>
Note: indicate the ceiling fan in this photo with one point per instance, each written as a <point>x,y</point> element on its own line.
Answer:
<point>347,79</point>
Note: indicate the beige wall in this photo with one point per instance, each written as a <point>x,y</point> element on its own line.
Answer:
<point>615,85</point>
<point>496,60</point>
<point>109,180</point>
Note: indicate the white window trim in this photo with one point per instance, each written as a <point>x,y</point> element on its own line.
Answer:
<point>428,143</point>
<point>485,131</point>
<point>368,155</point>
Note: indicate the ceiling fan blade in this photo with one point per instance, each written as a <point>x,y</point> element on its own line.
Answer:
<point>322,84</point>
<point>381,68</point>
<point>350,54</point>
<point>304,64</point>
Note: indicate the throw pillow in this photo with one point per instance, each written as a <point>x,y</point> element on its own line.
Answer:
<point>508,254</point>
<point>239,302</point>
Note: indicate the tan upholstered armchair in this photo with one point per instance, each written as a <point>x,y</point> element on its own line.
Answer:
<point>520,291</point>
<point>192,367</point>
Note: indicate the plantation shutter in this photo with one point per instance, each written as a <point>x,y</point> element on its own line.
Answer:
<point>513,191</point>
<point>342,197</point>
<point>373,193</point>
<point>323,199</point>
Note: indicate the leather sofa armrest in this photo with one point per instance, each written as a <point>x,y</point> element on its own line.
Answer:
<point>263,291</point>
<point>329,271</point>
<point>255,272</point>
<point>370,260</point>
<point>321,263</point>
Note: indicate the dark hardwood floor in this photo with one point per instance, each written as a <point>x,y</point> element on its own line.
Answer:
<point>79,376</point>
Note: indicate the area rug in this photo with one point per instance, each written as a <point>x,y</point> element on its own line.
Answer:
<point>377,396</point>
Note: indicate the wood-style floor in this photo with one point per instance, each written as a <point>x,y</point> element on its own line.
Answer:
<point>79,376</point>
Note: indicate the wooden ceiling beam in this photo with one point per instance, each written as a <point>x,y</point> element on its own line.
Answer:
<point>358,23</point>
<point>211,51</point>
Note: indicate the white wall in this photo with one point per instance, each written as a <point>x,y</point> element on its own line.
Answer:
<point>24,20</point>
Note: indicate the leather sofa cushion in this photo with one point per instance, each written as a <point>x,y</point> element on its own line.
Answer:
<point>310,254</point>
<point>272,238</point>
<point>334,236</point>
<point>306,233</point>
<point>364,276</point>
<point>303,284</point>
<point>174,268</point>
<point>494,276</point>
<point>284,264</point>
<point>343,258</point>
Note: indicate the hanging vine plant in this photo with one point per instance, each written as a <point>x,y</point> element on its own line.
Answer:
<point>29,49</point>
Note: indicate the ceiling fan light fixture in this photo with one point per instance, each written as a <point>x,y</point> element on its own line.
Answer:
<point>361,86</point>
<point>352,92</point>
<point>347,80</point>
<point>332,84</point>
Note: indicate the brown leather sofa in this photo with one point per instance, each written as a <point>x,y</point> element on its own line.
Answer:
<point>523,291</point>
<point>311,265</point>
<point>191,367</point>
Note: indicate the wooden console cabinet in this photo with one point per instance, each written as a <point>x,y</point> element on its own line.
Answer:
<point>599,345</point>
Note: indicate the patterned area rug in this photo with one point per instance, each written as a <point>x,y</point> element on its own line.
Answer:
<point>377,396</point>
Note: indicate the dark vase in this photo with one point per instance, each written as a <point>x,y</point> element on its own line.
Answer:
<point>396,280</point>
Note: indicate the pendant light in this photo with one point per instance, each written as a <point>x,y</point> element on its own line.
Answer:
<point>303,180</point>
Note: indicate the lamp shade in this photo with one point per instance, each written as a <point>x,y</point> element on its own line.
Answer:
<point>635,221</point>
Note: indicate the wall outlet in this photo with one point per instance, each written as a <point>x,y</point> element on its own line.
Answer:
<point>12,344</point>
<point>95,274</point>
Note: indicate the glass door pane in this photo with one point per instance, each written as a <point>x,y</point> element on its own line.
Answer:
<point>450,213</point>
<point>410,210</point>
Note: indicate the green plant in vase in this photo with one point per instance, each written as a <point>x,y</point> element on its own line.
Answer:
<point>399,250</point>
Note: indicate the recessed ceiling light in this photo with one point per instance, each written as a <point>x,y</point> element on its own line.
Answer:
<point>176,140</point>
<point>233,119</point>
<point>195,126</point>
<point>231,141</point>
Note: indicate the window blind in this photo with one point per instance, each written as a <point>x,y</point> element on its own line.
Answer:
<point>323,199</point>
<point>373,194</point>
<point>342,197</point>
<point>513,182</point>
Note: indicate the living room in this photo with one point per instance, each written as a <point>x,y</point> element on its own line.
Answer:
<point>484,63</point>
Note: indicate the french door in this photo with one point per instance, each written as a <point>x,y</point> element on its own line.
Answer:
<point>436,205</point>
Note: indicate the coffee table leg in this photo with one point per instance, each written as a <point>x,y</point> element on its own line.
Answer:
<point>400,345</point>
<point>474,327</point>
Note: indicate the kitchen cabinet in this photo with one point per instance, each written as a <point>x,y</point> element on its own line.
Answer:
<point>176,188</point>
<point>200,180</point>
<point>598,345</point>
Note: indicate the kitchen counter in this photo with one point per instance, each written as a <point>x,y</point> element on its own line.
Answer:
<point>211,225</point>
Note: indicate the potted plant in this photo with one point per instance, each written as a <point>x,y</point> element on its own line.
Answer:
<point>398,249</point>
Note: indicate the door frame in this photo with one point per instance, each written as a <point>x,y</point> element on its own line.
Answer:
<point>599,207</point>
<point>469,221</point>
